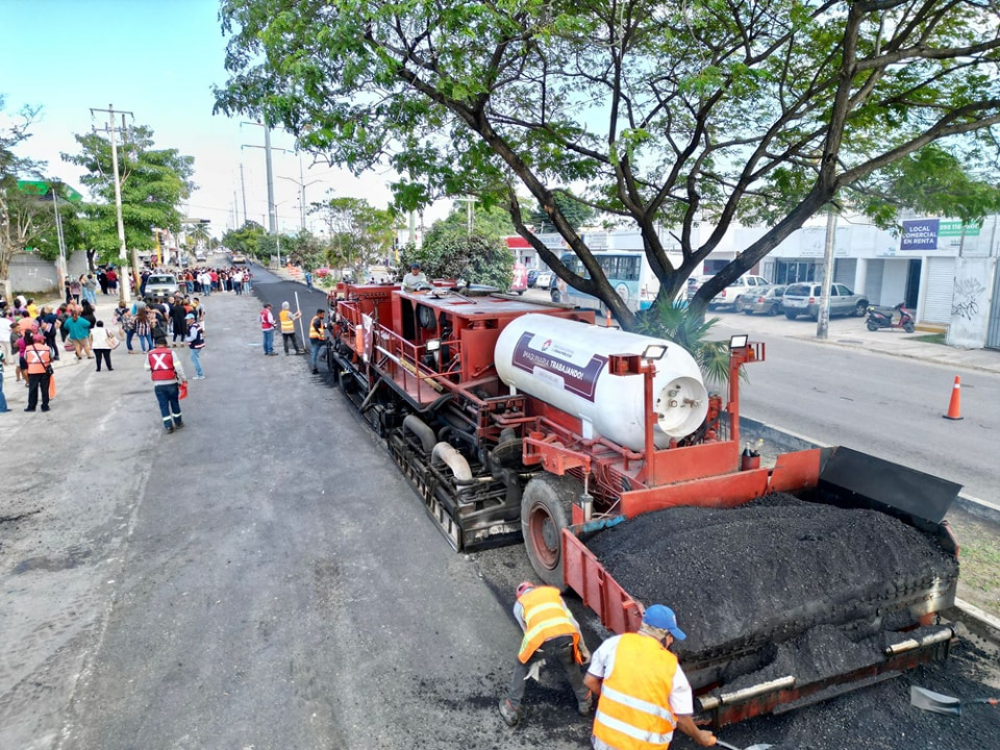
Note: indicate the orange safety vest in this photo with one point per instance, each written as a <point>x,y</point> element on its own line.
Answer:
<point>38,359</point>
<point>287,323</point>
<point>161,363</point>
<point>634,711</point>
<point>313,333</point>
<point>545,617</point>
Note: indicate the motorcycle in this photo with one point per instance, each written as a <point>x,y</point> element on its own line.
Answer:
<point>879,319</point>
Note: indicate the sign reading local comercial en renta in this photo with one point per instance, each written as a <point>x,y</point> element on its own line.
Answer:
<point>924,234</point>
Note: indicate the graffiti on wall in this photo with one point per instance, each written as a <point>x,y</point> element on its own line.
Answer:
<point>968,294</point>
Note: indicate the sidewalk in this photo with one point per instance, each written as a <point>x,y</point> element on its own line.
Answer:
<point>68,367</point>
<point>851,333</point>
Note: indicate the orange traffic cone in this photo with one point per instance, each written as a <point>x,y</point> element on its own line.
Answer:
<point>608,319</point>
<point>955,407</point>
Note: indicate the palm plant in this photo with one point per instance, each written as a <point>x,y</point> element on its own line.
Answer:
<point>676,323</point>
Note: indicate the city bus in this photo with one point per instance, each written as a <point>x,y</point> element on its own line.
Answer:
<point>628,272</point>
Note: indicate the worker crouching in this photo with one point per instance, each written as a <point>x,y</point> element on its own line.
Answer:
<point>550,632</point>
<point>643,692</point>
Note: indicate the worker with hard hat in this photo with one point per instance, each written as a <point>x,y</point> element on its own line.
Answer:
<point>643,693</point>
<point>550,633</point>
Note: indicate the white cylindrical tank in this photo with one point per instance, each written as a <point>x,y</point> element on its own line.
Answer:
<point>564,363</point>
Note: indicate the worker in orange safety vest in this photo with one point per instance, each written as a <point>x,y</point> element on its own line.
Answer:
<point>643,693</point>
<point>550,630</point>
<point>39,360</point>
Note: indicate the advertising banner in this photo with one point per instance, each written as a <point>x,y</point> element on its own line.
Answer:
<point>935,234</point>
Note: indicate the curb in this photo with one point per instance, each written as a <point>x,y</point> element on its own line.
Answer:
<point>979,622</point>
<point>941,360</point>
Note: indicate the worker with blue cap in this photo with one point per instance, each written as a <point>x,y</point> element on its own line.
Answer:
<point>643,693</point>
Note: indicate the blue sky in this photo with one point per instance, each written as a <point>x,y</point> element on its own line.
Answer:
<point>158,59</point>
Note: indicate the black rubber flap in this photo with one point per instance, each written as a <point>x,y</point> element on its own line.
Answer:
<point>912,492</point>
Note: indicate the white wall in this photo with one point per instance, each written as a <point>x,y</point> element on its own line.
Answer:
<point>970,304</point>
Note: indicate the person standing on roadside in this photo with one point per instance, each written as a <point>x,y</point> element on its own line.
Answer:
<point>178,318</point>
<point>167,373</point>
<point>287,319</point>
<point>317,337</point>
<point>90,289</point>
<point>196,340</point>
<point>267,329</point>
<point>78,329</point>
<point>48,323</point>
<point>3,399</point>
<point>644,694</point>
<point>102,341</point>
<point>75,289</point>
<point>36,354</point>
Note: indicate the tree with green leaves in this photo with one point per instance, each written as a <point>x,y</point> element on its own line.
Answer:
<point>246,239</point>
<point>450,251</point>
<point>25,219</point>
<point>662,114</point>
<point>359,234</point>
<point>577,214</point>
<point>154,183</point>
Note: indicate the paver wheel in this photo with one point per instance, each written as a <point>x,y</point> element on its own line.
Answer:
<point>545,512</point>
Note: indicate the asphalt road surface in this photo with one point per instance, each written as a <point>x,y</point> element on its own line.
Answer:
<point>889,406</point>
<point>266,579</point>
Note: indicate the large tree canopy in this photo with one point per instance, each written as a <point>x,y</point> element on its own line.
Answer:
<point>674,114</point>
<point>154,183</point>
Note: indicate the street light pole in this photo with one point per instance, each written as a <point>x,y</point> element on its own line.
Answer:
<point>122,252</point>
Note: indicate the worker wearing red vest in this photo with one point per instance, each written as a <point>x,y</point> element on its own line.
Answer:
<point>39,360</point>
<point>644,695</point>
<point>267,326</point>
<point>550,632</point>
<point>167,374</point>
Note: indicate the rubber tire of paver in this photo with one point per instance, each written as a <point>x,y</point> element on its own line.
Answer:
<point>546,509</point>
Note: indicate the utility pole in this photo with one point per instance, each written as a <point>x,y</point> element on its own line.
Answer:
<point>243,188</point>
<point>272,218</point>
<point>59,237</point>
<point>302,190</point>
<point>470,211</point>
<point>823,318</point>
<point>122,260</point>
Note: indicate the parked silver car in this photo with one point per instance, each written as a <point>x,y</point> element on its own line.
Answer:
<point>767,302</point>
<point>803,299</point>
<point>747,284</point>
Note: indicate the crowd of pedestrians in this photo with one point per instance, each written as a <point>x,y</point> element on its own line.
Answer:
<point>206,281</point>
<point>32,338</point>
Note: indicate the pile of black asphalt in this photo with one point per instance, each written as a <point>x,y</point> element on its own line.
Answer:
<point>771,570</point>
